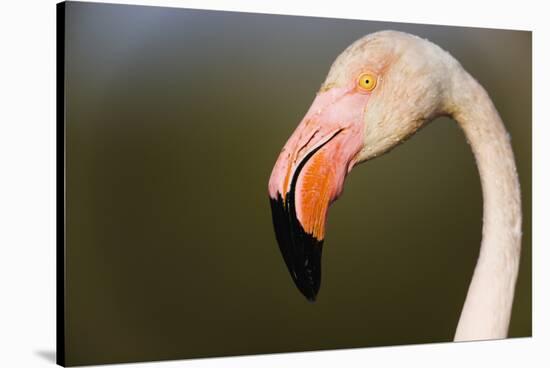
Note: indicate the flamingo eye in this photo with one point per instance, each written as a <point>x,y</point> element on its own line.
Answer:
<point>367,82</point>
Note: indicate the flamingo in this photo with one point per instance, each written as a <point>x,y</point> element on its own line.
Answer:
<point>379,91</point>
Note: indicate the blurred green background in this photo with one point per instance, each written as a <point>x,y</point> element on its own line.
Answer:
<point>174,120</point>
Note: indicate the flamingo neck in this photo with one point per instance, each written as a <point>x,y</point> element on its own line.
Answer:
<point>488,305</point>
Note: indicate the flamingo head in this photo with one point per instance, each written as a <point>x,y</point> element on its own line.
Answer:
<point>378,92</point>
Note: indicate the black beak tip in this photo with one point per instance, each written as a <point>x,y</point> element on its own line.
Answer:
<point>300,250</point>
<point>310,297</point>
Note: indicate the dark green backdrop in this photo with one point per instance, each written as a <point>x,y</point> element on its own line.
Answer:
<point>174,119</point>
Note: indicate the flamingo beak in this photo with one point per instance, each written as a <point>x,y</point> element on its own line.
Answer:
<point>308,176</point>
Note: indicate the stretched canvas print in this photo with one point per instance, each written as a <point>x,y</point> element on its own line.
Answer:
<point>235,183</point>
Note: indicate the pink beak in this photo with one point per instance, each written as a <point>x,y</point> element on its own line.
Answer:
<point>309,175</point>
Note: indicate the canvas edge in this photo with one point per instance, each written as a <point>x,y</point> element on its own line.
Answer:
<point>60,184</point>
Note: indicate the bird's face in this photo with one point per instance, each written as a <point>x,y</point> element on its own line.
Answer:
<point>369,103</point>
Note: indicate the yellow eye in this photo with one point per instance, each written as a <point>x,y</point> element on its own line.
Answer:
<point>367,81</point>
